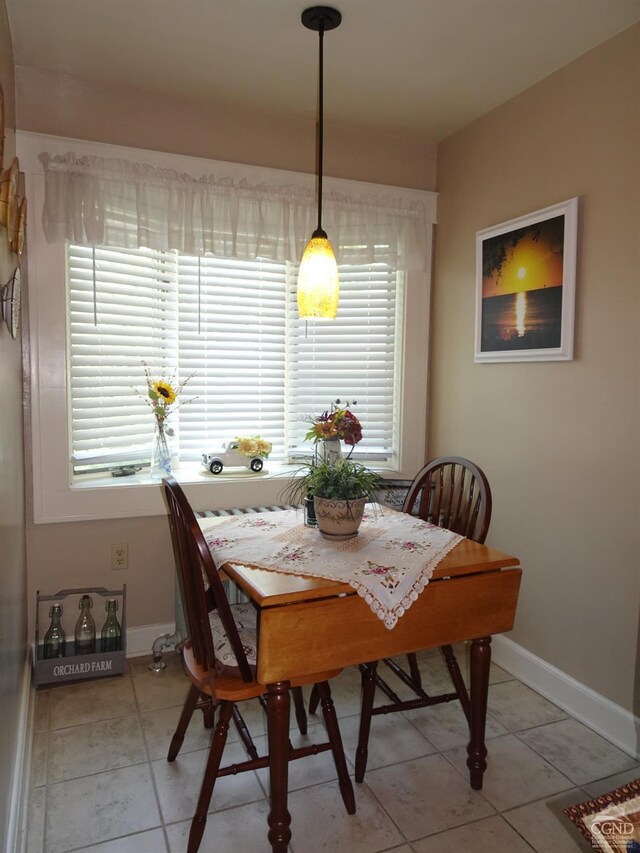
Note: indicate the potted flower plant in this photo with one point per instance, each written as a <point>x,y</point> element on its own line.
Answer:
<point>340,491</point>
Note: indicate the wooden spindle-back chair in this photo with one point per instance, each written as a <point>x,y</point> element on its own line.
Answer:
<point>449,492</point>
<point>220,656</point>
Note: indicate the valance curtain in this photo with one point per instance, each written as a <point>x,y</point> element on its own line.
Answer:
<point>114,202</point>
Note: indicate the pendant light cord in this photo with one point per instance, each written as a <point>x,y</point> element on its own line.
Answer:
<point>321,119</point>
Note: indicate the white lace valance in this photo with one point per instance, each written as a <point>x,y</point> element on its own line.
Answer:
<point>114,202</point>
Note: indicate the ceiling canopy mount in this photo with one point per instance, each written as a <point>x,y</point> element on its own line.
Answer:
<point>321,17</point>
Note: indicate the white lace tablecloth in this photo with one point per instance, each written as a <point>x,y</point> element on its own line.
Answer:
<point>389,562</point>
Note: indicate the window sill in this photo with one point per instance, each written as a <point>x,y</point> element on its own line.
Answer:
<point>103,496</point>
<point>185,472</point>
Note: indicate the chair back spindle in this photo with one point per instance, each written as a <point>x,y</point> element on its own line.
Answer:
<point>452,492</point>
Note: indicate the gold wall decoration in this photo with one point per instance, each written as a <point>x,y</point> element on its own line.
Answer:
<point>17,240</point>
<point>1,126</point>
<point>9,197</point>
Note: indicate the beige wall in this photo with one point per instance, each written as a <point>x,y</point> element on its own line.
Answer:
<point>12,559</point>
<point>558,440</point>
<point>76,554</point>
<point>125,115</point>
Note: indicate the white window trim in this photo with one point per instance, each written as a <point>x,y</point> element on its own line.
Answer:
<point>55,499</point>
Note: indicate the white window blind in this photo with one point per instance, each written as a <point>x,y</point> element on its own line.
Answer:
<point>352,358</point>
<point>122,311</point>
<point>232,343</point>
<point>232,327</point>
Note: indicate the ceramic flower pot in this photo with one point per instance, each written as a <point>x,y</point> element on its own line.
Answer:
<point>339,519</point>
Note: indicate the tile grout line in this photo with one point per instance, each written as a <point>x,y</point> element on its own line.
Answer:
<point>150,764</point>
<point>480,820</point>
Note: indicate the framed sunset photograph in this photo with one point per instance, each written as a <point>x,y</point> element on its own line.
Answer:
<point>525,286</point>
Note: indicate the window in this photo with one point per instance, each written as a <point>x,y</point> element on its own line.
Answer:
<point>231,328</point>
<point>84,409</point>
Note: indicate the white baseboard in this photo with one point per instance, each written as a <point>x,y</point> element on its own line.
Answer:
<point>140,640</point>
<point>16,833</point>
<point>614,723</point>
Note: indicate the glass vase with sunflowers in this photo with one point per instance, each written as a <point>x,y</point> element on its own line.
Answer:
<point>162,396</point>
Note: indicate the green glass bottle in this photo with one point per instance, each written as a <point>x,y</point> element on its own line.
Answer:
<point>85,628</point>
<point>111,634</point>
<point>55,640</point>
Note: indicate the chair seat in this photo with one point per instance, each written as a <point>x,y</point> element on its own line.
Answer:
<point>245,618</point>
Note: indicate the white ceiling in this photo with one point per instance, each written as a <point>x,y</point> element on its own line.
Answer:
<point>426,66</point>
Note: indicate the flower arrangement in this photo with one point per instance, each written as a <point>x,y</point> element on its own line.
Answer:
<point>162,394</point>
<point>334,490</point>
<point>336,422</point>
<point>253,445</point>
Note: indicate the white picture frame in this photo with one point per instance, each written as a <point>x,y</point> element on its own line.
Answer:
<point>525,286</point>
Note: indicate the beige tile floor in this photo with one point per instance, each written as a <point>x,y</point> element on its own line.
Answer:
<point>101,783</point>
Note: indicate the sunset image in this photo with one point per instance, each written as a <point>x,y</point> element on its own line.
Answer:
<point>522,278</point>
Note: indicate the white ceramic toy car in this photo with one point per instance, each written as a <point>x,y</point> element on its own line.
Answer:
<point>232,457</point>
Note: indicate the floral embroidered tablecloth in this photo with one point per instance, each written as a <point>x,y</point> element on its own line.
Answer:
<point>389,562</point>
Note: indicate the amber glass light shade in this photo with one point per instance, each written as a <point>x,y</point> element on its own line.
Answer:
<point>318,285</point>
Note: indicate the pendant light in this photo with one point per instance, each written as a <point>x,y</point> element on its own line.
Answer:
<point>318,285</point>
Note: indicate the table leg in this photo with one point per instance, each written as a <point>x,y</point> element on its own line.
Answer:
<point>278,733</point>
<point>476,750</point>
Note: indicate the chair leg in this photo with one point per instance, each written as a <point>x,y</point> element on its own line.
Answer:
<point>185,718</point>
<point>401,674</point>
<point>314,699</point>
<point>210,774</point>
<point>368,693</point>
<point>333,730</point>
<point>208,712</point>
<point>412,660</point>
<point>301,714</point>
<point>458,681</point>
<point>245,734</point>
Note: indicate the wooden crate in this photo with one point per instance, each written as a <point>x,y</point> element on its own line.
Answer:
<point>74,667</point>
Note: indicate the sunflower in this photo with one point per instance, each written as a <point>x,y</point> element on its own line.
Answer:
<point>164,391</point>
<point>246,445</point>
<point>253,445</point>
